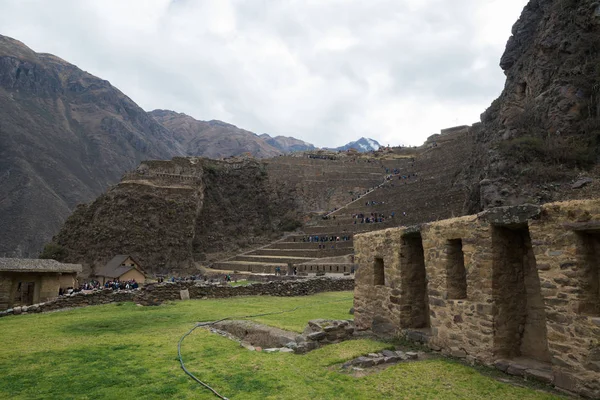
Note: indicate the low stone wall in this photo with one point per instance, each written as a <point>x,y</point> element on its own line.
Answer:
<point>156,293</point>
<point>153,294</point>
<point>80,299</point>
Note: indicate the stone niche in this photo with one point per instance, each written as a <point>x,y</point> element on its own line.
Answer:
<point>509,286</point>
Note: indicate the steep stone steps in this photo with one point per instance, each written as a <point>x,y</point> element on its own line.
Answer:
<point>309,246</point>
<point>330,250</point>
<point>256,267</point>
<point>272,259</point>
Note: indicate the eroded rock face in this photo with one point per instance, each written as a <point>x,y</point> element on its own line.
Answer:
<point>172,213</point>
<point>535,138</point>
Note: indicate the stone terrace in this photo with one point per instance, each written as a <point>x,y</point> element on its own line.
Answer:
<point>434,193</point>
<point>430,195</point>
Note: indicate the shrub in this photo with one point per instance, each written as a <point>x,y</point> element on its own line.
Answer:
<point>289,224</point>
<point>53,251</point>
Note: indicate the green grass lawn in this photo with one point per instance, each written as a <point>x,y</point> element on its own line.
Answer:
<point>122,351</point>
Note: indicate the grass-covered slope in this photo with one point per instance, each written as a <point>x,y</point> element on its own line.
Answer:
<point>124,351</point>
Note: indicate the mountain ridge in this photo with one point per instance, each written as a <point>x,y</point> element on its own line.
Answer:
<point>65,137</point>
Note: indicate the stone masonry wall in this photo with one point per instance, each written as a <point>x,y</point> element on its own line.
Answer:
<point>153,294</point>
<point>532,301</point>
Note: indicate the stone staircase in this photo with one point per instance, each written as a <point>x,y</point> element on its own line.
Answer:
<point>293,249</point>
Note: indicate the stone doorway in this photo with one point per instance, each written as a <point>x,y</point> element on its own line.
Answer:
<point>589,264</point>
<point>414,311</point>
<point>25,293</point>
<point>520,317</point>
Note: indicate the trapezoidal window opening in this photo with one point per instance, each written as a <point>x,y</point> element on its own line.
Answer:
<point>456,275</point>
<point>520,316</point>
<point>589,263</point>
<point>378,272</point>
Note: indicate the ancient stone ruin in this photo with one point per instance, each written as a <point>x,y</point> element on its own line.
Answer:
<point>515,287</point>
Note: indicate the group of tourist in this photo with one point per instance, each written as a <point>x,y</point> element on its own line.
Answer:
<point>91,285</point>
<point>409,176</point>
<point>322,239</point>
<point>372,218</point>
<point>374,203</point>
<point>322,156</point>
<point>121,285</point>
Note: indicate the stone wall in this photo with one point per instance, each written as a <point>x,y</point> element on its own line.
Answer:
<point>517,287</point>
<point>156,293</point>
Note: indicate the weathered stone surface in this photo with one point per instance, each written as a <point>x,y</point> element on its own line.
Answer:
<point>184,294</point>
<point>540,375</point>
<point>510,215</point>
<point>516,369</point>
<point>456,352</point>
<point>316,336</point>
<point>502,365</point>
<point>581,183</point>
<point>565,380</point>
<point>389,353</point>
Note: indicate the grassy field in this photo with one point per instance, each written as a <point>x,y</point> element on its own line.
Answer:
<point>124,351</point>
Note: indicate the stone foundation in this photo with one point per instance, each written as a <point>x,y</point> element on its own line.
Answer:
<point>516,286</point>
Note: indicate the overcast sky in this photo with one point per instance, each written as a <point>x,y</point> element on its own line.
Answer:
<point>325,71</point>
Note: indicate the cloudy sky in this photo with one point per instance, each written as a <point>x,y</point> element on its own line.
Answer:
<point>325,71</point>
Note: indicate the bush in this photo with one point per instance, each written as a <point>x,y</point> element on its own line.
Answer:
<point>289,224</point>
<point>53,251</point>
<point>570,151</point>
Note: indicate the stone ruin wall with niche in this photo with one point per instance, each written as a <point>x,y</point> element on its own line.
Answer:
<point>509,285</point>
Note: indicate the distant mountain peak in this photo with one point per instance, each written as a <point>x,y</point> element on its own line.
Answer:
<point>363,145</point>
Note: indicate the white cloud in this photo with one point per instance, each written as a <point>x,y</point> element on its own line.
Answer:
<point>326,71</point>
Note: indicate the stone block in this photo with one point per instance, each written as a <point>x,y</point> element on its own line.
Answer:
<point>389,353</point>
<point>184,294</point>
<point>516,369</point>
<point>565,381</point>
<point>316,336</point>
<point>593,366</point>
<point>545,376</point>
<point>364,362</point>
<point>457,353</point>
<point>411,355</point>
<point>379,361</point>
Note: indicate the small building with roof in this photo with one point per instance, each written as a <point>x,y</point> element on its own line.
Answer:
<point>26,281</point>
<point>122,267</point>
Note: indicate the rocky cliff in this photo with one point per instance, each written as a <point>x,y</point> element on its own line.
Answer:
<point>543,132</point>
<point>170,214</point>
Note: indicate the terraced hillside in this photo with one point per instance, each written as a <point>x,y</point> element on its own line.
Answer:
<point>420,186</point>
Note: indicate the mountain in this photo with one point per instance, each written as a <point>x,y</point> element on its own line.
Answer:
<point>363,145</point>
<point>217,139</point>
<point>287,144</point>
<point>66,136</point>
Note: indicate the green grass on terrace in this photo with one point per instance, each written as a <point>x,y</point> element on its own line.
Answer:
<point>122,351</point>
